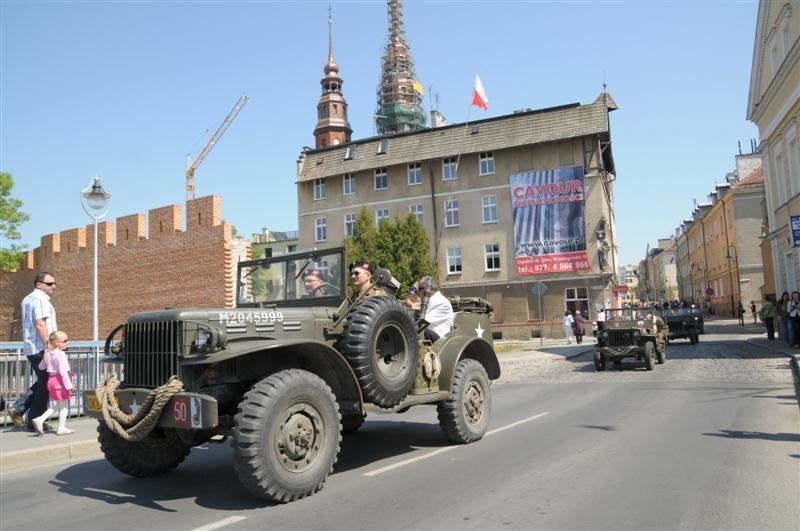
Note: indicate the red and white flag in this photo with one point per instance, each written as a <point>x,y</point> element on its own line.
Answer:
<point>479,98</point>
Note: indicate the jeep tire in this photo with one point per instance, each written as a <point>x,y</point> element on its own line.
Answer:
<point>158,453</point>
<point>379,340</point>
<point>464,416</point>
<point>649,354</point>
<point>287,436</point>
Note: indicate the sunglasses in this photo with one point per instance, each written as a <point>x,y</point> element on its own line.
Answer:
<point>49,283</point>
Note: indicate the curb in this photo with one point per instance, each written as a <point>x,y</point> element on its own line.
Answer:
<point>49,455</point>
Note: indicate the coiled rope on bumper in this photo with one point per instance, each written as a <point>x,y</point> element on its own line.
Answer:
<point>135,427</point>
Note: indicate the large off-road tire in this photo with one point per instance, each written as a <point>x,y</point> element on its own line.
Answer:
<point>351,422</point>
<point>156,454</point>
<point>600,362</point>
<point>286,436</point>
<point>464,416</point>
<point>379,340</point>
<point>661,355</point>
<point>694,338</point>
<point>649,354</point>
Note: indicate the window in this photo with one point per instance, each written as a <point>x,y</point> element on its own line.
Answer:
<point>321,230</point>
<point>486,161</point>
<point>577,299</point>
<point>452,218</point>
<point>414,174</point>
<point>349,225</point>
<point>453,260</point>
<point>492,254</point>
<point>381,179</point>
<point>489,204</point>
<point>417,211</point>
<point>449,168</point>
<point>351,152</point>
<point>380,215</point>
<point>349,184</point>
<point>383,145</point>
<point>319,189</point>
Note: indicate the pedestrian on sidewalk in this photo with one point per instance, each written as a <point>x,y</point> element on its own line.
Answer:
<point>740,312</point>
<point>59,383</point>
<point>578,327</point>
<point>784,325</point>
<point>794,318</point>
<point>753,311</point>
<point>38,322</point>
<point>568,322</point>
<point>601,319</point>
<point>767,314</point>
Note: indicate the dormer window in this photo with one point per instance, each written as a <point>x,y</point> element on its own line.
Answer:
<point>351,152</point>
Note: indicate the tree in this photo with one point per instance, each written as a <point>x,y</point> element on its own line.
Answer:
<point>11,217</point>
<point>399,244</point>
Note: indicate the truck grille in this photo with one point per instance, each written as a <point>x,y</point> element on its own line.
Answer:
<point>151,352</point>
<point>675,327</point>
<point>621,338</point>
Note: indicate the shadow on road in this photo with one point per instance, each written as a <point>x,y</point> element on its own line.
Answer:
<point>738,434</point>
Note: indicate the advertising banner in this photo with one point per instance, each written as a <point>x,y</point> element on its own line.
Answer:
<point>549,221</point>
<point>794,222</point>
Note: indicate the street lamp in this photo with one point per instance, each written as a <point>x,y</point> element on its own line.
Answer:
<point>95,202</point>
<point>735,259</point>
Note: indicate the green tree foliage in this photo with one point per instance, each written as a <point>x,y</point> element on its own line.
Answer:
<point>11,217</point>
<point>400,245</point>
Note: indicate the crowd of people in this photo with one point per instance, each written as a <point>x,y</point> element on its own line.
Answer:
<point>782,315</point>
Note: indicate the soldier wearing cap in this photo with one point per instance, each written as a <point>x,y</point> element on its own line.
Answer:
<point>361,280</point>
<point>312,280</point>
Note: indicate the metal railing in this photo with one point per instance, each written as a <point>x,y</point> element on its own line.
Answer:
<point>84,361</point>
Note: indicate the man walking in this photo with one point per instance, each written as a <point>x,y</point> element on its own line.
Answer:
<point>38,322</point>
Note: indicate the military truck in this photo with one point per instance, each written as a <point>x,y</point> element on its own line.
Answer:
<point>683,323</point>
<point>284,374</point>
<point>638,333</point>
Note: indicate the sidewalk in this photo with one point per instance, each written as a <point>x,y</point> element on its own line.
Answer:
<point>21,450</point>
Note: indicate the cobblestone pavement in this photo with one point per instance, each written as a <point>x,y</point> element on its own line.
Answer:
<point>723,357</point>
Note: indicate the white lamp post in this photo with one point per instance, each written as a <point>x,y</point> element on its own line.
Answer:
<point>95,202</point>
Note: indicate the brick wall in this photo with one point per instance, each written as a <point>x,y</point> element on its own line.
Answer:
<point>170,268</point>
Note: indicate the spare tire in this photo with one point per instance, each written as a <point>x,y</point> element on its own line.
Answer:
<point>379,340</point>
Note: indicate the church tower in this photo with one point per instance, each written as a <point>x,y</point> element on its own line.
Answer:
<point>399,93</point>
<point>332,125</point>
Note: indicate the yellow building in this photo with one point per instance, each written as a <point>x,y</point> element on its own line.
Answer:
<point>774,106</point>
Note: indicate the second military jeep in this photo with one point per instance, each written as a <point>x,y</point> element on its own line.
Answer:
<point>683,323</point>
<point>637,333</point>
<point>284,374</point>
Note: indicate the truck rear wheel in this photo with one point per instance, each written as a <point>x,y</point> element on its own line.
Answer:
<point>379,340</point>
<point>464,417</point>
<point>287,436</point>
<point>156,454</point>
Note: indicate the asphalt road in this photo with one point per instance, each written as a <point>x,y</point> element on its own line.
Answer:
<point>709,440</point>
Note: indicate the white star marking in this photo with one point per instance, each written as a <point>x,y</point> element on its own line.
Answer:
<point>135,407</point>
<point>479,331</point>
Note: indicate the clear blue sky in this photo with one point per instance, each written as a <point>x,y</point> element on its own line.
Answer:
<point>126,89</point>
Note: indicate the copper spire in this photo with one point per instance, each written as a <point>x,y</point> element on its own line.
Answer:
<point>332,125</point>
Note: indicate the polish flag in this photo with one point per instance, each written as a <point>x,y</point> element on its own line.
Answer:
<point>479,98</point>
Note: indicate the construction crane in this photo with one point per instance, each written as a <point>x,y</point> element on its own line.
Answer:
<point>192,166</point>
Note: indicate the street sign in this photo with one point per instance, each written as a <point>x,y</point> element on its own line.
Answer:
<point>539,288</point>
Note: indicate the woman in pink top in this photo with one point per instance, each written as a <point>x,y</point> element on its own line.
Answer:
<point>59,383</point>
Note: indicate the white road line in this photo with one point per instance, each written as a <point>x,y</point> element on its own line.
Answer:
<point>448,448</point>
<point>221,523</point>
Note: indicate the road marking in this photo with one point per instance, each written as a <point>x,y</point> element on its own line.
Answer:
<point>221,523</point>
<point>405,462</point>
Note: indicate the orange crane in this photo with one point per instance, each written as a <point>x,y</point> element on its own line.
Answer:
<point>191,167</point>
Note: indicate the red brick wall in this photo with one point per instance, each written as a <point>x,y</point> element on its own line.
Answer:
<point>171,268</point>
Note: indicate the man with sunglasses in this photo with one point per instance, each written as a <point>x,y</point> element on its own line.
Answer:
<point>361,280</point>
<point>38,322</point>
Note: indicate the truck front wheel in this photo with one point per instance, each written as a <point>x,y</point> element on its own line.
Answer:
<point>287,436</point>
<point>464,417</point>
<point>158,453</point>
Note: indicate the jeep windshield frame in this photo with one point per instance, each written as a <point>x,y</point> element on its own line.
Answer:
<point>309,278</point>
<point>629,314</point>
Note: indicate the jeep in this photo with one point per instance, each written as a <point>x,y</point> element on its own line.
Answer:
<point>637,333</point>
<point>284,374</point>
<point>683,323</point>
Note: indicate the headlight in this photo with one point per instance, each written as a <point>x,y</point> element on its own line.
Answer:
<point>636,333</point>
<point>207,340</point>
<point>604,334</point>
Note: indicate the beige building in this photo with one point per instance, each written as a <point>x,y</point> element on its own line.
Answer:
<point>462,182</point>
<point>718,257</point>
<point>774,106</point>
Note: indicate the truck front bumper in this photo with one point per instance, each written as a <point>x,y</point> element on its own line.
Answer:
<point>188,411</point>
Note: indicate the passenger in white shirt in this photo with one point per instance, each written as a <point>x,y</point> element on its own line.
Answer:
<point>439,312</point>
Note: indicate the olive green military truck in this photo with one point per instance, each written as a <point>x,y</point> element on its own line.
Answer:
<point>638,333</point>
<point>284,374</point>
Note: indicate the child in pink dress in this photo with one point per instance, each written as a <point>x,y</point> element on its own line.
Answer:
<point>59,383</point>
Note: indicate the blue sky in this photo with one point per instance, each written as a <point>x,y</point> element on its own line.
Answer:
<point>125,90</point>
